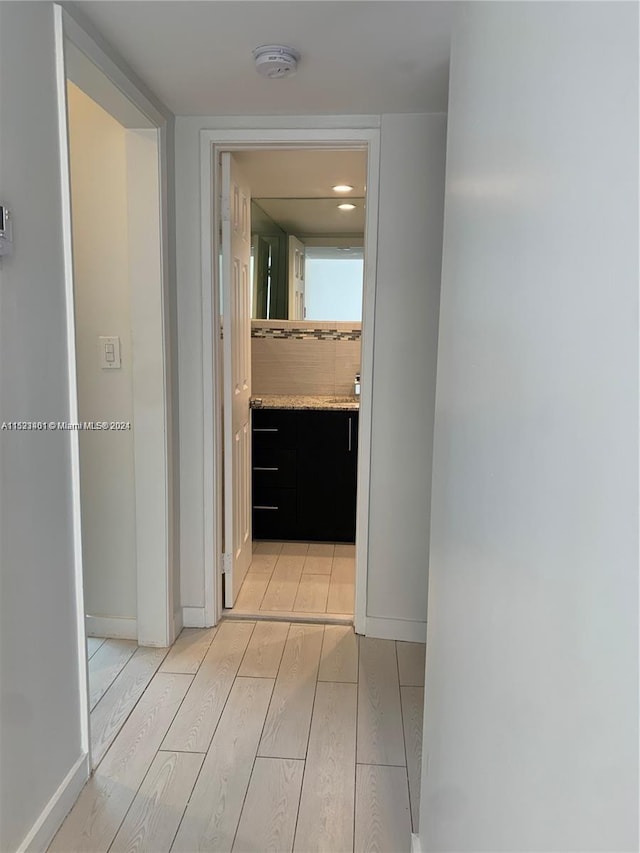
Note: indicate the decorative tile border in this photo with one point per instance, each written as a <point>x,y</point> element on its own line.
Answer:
<point>299,334</point>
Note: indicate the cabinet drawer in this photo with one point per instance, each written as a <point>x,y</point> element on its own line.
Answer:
<point>274,513</point>
<point>273,428</point>
<point>274,467</point>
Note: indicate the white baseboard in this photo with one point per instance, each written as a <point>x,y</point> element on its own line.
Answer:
<point>396,629</point>
<point>416,847</point>
<point>193,617</point>
<point>41,833</point>
<point>111,626</point>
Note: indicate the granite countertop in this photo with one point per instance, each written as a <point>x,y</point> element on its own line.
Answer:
<point>282,401</point>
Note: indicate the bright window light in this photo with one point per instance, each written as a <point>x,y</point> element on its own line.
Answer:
<point>333,285</point>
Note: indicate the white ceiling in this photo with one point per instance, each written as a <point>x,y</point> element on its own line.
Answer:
<point>295,188</point>
<point>357,56</point>
<point>302,173</point>
<point>315,216</point>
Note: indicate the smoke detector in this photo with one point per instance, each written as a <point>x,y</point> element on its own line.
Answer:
<point>276,60</point>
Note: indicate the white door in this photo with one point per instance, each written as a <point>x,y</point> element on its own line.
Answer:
<point>236,296</point>
<point>296,279</point>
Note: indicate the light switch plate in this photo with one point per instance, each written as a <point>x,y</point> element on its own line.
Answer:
<point>109,347</point>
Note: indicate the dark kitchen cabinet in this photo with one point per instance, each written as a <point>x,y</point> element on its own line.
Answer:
<point>327,468</point>
<point>304,474</point>
<point>274,474</point>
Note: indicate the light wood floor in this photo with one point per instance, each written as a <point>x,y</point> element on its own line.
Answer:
<point>119,673</point>
<point>299,579</point>
<point>258,736</point>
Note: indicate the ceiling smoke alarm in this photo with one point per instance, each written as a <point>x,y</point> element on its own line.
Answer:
<point>276,60</point>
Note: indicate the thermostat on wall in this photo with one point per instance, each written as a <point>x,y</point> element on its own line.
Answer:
<point>6,235</point>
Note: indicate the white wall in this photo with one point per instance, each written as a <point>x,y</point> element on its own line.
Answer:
<point>99,184</point>
<point>189,345</point>
<point>409,254</point>
<point>152,468</point>
<point>137,219</point>
<point>404,370</point>
<point>40,724</point>
<point>531,718</point>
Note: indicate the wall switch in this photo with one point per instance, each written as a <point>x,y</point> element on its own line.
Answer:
<point>6,231</point>
<point>109,352</point>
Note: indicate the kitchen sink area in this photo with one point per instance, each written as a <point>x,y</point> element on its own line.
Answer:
<point>304,461</point>
<point>304,425</point>
<point>305,401</point>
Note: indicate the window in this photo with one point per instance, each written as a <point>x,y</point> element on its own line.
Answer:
<point>333,283</point>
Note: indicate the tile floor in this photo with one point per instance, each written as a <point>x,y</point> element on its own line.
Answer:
<point>299,578</point>
<point>254,736</point>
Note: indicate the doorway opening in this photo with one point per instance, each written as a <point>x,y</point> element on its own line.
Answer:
<point>112,145</point>
<point>293,527</point>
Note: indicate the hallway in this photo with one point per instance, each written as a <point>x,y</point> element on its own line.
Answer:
<point>262,736</point>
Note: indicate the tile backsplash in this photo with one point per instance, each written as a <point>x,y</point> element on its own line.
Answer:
<point>304,357</point>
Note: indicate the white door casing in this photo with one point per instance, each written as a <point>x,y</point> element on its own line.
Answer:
<point>297,310</point>
<point>360,132</point>
<point>236,295</point>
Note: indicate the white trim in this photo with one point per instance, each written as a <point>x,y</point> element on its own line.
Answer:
<point>148,276</point>
<point>93,82</point>
<point>288,616</point>
<point>294,138</point>
<point>212,411</point>
<point>194,617</point>
<point>74,440</point>
<point>416,847</point>
<point>396,629</point>
<point>253,124</point>
<point>366,384</point>
<point>42,832</point>
<point>166,136</point>
<point>86,40</point>
<point>156,630</point>
<point>112,626</point>
<point>280,132</point>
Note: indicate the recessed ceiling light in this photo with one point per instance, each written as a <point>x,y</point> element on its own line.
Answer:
<point>342,188</point>
<point>346,206</point>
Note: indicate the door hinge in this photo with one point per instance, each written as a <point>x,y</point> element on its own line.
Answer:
<point>227,563</point>
<point>225,209</point>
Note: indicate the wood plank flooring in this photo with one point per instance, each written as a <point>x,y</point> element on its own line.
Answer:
<point>325,821</point>
<point>105,665</point>
<point>109,715</point>
<point>412,702</point>
<point>380,735</point>
<point>383,821</point>
<point>257,737</point>
<point>93,644</point>
<point>286,730</point>
<point>268,819</point>
<point>194,727</point>
<point>105,800</point>
<point>298,578</point>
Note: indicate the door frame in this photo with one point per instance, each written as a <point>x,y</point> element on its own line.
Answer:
<point>155,621</point>
<point>212,143</point>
